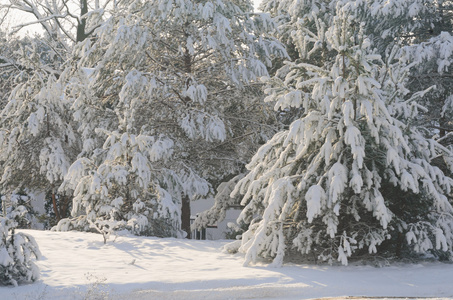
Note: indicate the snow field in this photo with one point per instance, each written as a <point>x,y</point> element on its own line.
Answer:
<point>77,265</point>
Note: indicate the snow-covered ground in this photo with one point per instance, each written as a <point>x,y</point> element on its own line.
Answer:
<point>77,265</point>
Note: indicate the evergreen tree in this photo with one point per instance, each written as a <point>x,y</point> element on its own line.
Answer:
<point>424,29</point>
<point>153,93</point>
<point>38,143</point>
<point>37,140</point>
<point>432,59</point>
<point>353,174</point>
<point>16,251</point>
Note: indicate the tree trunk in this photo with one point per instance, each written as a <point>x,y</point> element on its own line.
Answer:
<point>3,206</point>
<point>64,204</point>
<point>185,216</point>
<point>55,208</point>
<point>443,124</point>
<point>81,26</point>
<point>399,245</point>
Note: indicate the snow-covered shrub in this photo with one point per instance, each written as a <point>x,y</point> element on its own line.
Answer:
<point>16,254</point>
<point>67,224</point>
<point>19,207</point>
<point>97,288</point>
<point>235,231</point>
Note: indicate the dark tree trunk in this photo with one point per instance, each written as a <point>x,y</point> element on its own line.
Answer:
<point>399,245</point>
<point>64,204</point>
<point>55,208</point>
<point>81,26</point>
<point>185,216</point>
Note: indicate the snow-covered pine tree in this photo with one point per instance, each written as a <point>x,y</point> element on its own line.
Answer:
<point>37,141</point>
<point>36,137</point>
<point>353,175</point>
<point>432,68</point>
<point>162,78</point>
<point>8,70</point>
<point>20,204</point>
<point>16,251</point>
<point>424,29</point>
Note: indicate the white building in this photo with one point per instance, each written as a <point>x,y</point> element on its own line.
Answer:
<point>219,231</point>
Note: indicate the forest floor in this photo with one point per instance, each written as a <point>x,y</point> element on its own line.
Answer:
<point>78,265</point>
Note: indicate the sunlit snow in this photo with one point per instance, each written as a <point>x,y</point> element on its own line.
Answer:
<point>77,265</point>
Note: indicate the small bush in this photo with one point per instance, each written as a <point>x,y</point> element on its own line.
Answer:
<point>16,253</point>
